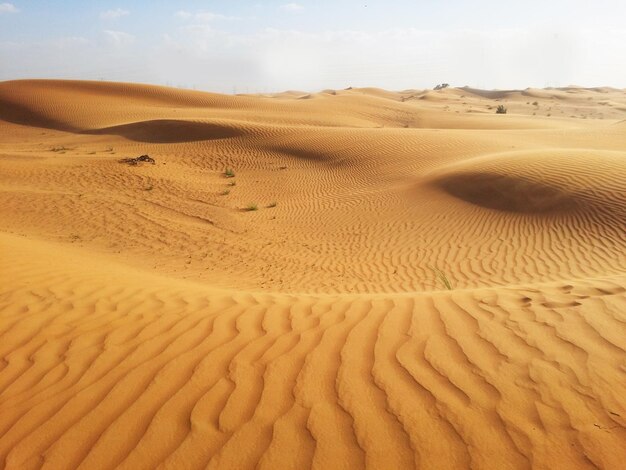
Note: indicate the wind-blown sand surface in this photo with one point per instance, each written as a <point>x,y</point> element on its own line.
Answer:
<point>148,319</point>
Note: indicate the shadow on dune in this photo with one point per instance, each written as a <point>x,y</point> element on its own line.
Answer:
<point>507,193</point>
<point>152,131</point>
<point>163,131</point>
<point>19,114</point>
<point>489,94</point>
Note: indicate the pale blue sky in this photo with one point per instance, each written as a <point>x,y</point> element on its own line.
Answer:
<point>261,46</point>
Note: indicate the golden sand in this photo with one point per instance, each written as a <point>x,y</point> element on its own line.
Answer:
<point>149,317</point>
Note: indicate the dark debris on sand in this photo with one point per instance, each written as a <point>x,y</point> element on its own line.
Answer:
<point>135,161</point>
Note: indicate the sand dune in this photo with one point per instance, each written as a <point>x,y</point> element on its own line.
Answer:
<point>162,131</point>
<point>150,318</point>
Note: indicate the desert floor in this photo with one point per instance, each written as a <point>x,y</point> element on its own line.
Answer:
<point>296,314</point>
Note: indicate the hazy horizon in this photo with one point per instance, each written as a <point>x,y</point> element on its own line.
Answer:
<point>277,45</point>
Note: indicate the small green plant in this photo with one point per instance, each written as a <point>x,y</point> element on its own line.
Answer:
<point>500,109</point>
<point>229,173</point>
<point>252,207</point>
<point>226,192</point>
<point>442,277</point>
<point>272,204</point>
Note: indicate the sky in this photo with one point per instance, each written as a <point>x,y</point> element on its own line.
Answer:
<point>241,46</point>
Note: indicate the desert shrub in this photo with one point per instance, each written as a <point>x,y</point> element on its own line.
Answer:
<point>500,109</point>
<point>229,173</point>
<point>272,204</point>
<point>442,86</point>
<point>442,277</point>
<point>252,207</point>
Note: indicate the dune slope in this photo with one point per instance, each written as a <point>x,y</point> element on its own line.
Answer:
<point>290,314</point>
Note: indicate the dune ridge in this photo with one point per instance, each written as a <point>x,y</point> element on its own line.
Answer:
<point>148,319</point>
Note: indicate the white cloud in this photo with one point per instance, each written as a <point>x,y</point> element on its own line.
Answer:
<point>8,8</point>
<point>118,38</point>
<point>291,7</point>
<point>114,14</point>
<point>68,42</point>
<point>396,58</point>
<point>62,43</point>
<point>182,14</point>
<point>204,55</point>
<point>207,16</point>
<point>203,16</point>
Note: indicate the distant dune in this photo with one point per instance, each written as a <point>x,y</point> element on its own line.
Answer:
<point>294,312</point>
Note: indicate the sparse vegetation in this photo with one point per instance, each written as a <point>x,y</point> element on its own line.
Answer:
<point>226,192</point>
<point>441,86</point>
<point>229,173</point>
<point>272,204</point>
<point>441,276</point>
<point>59,149</point>
<point>135,161</point>
<point>535,103</point>
<point>232,183</point>
<point>500,109</point>
<point>252,207</point>
<point>148,188</point>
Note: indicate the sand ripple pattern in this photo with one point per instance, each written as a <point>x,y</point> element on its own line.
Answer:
<point>148,320</point>
<point>150,374</point>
